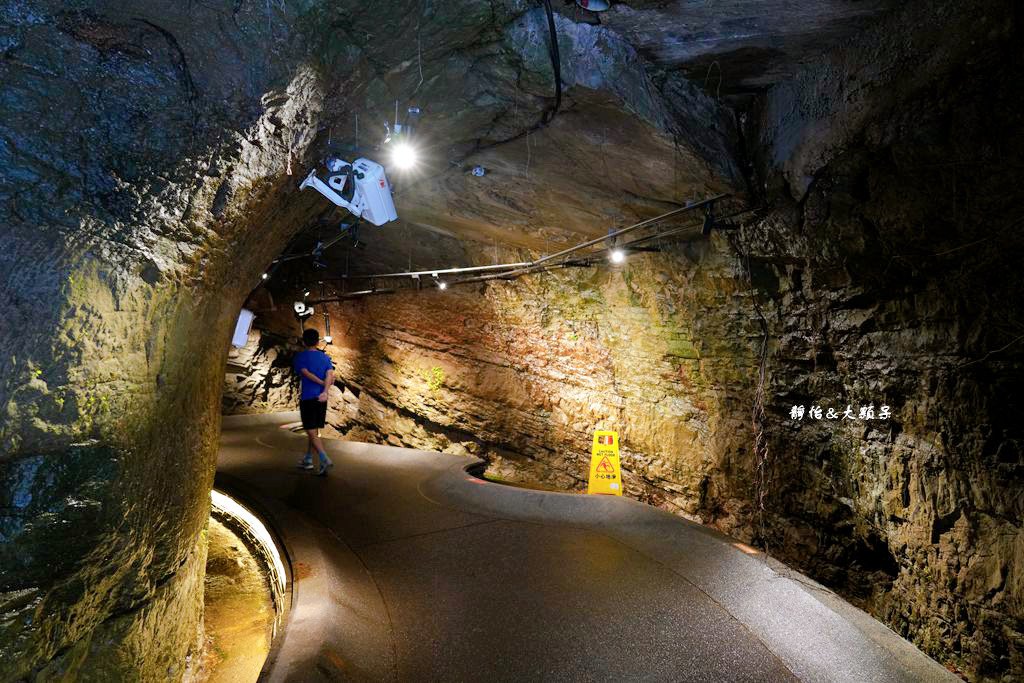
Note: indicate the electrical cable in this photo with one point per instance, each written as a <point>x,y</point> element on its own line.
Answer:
<point>556,63</point>
<point>758,417</point>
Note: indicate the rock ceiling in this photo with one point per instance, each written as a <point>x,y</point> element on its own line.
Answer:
<point>637,132</point>
<point>754,44</point>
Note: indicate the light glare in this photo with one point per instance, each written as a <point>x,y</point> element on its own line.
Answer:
<point>403,156</point>
<point>617,256</point>
<point>252,524</point>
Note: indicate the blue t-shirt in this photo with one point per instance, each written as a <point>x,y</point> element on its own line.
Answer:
<point>316,362</point>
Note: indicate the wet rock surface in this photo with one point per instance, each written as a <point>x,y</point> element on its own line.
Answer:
<point>259,377</point>
<point>151,155</point>
<point>121,125</point>
<point>238,613</point>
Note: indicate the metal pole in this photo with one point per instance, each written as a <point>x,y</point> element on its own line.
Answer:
<point>353,295</point>
<point>444,271</point>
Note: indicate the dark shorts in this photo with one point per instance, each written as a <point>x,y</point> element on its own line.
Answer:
<point>313,412</point>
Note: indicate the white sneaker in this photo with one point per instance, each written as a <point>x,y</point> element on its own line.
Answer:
<point>325,464</point>
<point>306,463</point>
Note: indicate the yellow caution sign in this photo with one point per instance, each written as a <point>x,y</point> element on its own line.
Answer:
<point>605,473</point>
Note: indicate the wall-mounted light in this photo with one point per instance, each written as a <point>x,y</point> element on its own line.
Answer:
<point>265,276</point>
<point>442,285</point>
<point>616,256</point>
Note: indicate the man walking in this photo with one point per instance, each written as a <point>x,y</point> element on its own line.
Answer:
<point>317,373</point>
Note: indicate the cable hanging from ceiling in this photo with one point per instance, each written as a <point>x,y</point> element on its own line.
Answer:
<point>556,63</point>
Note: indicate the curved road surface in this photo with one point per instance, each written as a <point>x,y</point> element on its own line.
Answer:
<point>405,568</point>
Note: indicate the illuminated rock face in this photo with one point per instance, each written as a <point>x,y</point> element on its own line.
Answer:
<point>259,377</point>
<point>883,265</point>
<point>522,374</point>
<point>146,150</point>
<point>124,260</point>
<point>888,288</point>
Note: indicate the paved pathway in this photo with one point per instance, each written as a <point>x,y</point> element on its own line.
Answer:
<point>406,568</point>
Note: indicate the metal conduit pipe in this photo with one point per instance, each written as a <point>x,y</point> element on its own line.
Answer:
<point>443,271</point>
<point>514,270</point>
<point>631,228</point>
<point>539,263</point>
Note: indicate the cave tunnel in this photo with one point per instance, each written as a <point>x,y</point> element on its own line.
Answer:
<point>769,251</point>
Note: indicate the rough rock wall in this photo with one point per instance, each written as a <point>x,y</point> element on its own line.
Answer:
<point>893,278</point>
<point>130,142</point>
<point>837,101</point>
<point>259,377</point>
<point>522,373</point>
<point>636,147</point>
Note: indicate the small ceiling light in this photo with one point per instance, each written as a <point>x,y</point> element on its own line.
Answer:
<point>403,155</point>
<point>616,256</point>
<point>305,293</point>
<point>442,285</point>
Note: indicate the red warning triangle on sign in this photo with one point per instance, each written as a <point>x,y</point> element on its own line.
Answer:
<point>605,466</point>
